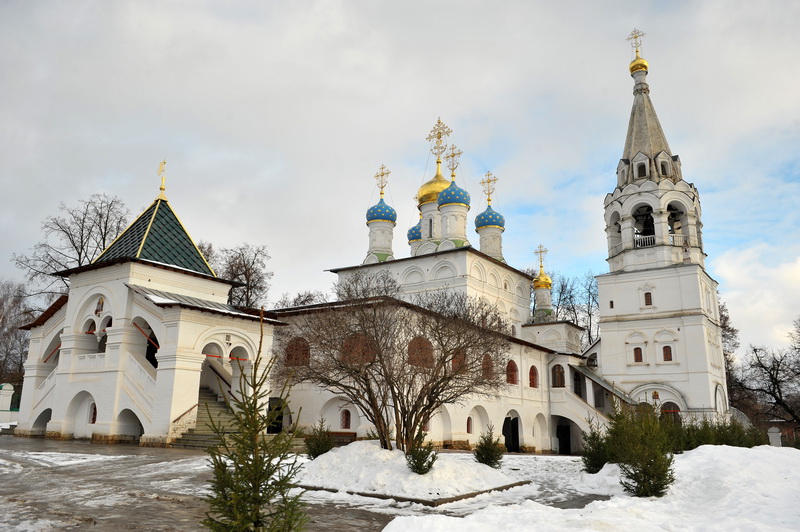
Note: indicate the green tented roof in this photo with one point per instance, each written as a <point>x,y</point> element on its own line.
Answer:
<point>158,236</point>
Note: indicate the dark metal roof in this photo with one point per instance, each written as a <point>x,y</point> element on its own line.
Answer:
<point>169,299</point>
<point>157,235</point>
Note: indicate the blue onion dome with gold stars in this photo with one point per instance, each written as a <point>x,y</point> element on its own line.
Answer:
<point>381,212</point>
<point>415,233</point>
<point>489,218</point>
<point>453,194</point>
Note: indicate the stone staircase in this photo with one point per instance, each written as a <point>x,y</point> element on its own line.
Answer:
<point>202,436</point>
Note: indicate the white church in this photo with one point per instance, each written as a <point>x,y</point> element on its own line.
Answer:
<point>145,337</point>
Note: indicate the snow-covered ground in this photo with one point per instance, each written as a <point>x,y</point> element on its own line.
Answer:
<point>46,485</point>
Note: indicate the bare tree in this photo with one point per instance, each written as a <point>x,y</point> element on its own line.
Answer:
<point>14,313</point>
<point>738,396</point>
<point>74,238</point>
<point>773,376</point>
<point>398,362</point>
<point>245,264</point>
<point>308,297</point>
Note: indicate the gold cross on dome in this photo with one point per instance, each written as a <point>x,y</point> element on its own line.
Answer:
<point>541,251</point>
<point>439,135</point>
<point>382,177</point>
<point>453,156</point>
<point>488,186</point>
<point>636,38</point>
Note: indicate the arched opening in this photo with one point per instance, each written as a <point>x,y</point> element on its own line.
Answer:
<point>671,412</point>
<point>644,226</point>
<point>82,414</point>
<point>648,299</point>
<point>51,354</point>
<point>664,170</point>
<point>567,435</point>
<point>39,427</point>
<point>280,414</point>
<point>128,427</point>
<point>469,425</point>
<point>577,384</point>
<point>614,232</point>
<point>591,362</point>
<point>145,344</point>
<point>558,376</point>
<point>512,374</point>
<point>641,170</point>
<point>533,377</point>
<point>638,355</point>
<point>459,361</point>
<point>677,222</point>
<point>345,419</point>
<point>511,431</point>
<point>357,349</point>
<point>420,352</point>
<point>298,352</point>
<point>487,367</point>
<point>103,334</point>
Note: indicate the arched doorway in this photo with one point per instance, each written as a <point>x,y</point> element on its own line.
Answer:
<point>128,427</point>
<point>145,344</point>
<point>511,431</point>
<point>567,435</point>
<point>39,427</point>
<point>82,414</point>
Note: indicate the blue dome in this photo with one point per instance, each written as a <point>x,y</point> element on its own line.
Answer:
<point>490,217</point>
<point>415,233</point>
<point>381,212</point>
<point>453,194</point>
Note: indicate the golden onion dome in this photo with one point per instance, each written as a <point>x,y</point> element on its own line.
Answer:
<point>638,63</point>
<point>430,190</point>
<point>542,280</point>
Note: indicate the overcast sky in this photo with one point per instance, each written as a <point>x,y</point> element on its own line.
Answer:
<point>274,116</point>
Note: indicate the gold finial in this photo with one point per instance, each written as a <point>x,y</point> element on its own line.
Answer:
<point>439,135</point>
<point>160,173</point>
<point>638,62</point>
<point>382,177</point>
<point>453,157</point>
<point>542,280</point>
<point>488,186</point>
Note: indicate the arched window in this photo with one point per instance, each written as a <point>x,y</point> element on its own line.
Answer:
<point>533,377</point>
<point>641,170</point>
<point>558,376</point>
<point>93,414</point>
<point>667,351</point>
<point>487,367</point>
<point>663,168</point>
<point>345,424</point>
<point>298,352</point>
<point>469,425</point>
<point>644,224</point>
<point>420,352</point>
<point>459,361</point>
<point>637,354</point>
<point>648,299</point>
<point>358,349</point>
<point>514,331</point>
<point>512,375</point>
<point>430,227</point>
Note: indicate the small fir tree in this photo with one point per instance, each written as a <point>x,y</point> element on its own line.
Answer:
<point>319,441</point>
<point>489,451</point>
<point>421,457</point>
<point>643,450</point>
<point>253,474</point>
<point>595,451</point>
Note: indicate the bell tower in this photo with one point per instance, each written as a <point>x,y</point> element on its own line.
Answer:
<point>659,315</point>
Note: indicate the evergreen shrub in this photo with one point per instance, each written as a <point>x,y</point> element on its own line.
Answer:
<point>595,452</point>
<point>421,457</point>
<point>319,441</point>
<point>489,450</point>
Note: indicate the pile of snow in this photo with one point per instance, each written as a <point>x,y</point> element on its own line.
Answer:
<point>716,488</point>
<point>363,467</point>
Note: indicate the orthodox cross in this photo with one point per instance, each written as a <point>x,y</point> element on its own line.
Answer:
<point>439,135</point>
<point>541,251</point>
<point>488,186</point>
<point>453,157</point>
<point>382,177</point>
<point>636,38</point>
